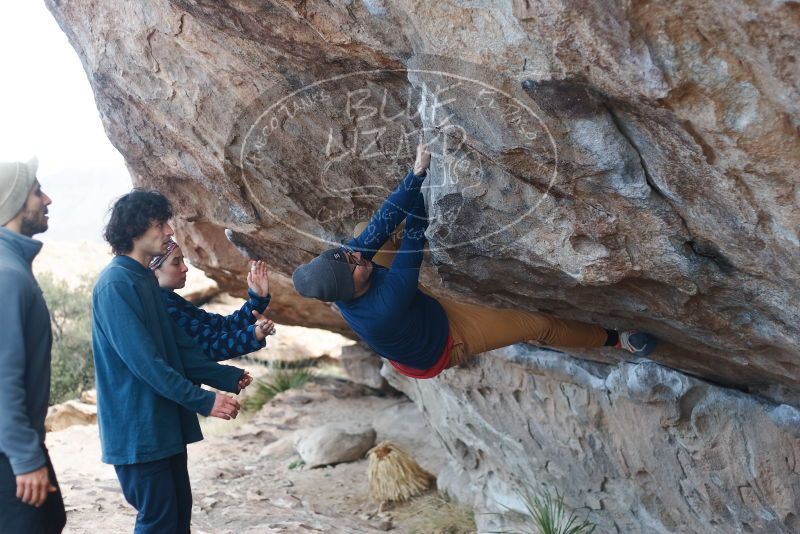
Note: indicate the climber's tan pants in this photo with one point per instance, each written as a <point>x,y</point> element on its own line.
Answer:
<point>477,329</point>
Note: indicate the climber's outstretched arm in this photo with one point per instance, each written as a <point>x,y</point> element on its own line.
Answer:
<point>399,288</point>
<point>409,256</point>
<point>394,209</point>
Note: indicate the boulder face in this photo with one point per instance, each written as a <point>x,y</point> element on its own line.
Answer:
<point>634,165</point>
<point>631,164</point>
<point>640,448</point>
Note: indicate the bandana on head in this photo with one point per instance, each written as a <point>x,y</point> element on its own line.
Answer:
<point>158,261</point>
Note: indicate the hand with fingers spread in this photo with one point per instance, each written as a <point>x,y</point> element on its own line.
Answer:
<point>245,381</point>
<point>225,407</point>
<point>423,159</point>
<point>258,278</point>
<point>263,327</point>
<point>33,487</point>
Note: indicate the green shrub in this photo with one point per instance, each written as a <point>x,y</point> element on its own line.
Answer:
<point>549,515</point>
<point>71,318</point>
<point>274,382</point>
<point>434,513</point>
<point>297,465</point>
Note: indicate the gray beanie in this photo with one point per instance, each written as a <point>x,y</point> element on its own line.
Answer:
<point>16,180</point>
<point>327,277</point>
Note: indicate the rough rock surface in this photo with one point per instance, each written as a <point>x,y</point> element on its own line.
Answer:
<point>628,163</point>
<point>657,144</point>
<point>645,448</point>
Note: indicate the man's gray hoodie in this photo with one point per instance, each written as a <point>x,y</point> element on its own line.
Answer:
<point>25,341</point>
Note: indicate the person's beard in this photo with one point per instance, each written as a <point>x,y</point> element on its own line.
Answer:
<point>33,224</point>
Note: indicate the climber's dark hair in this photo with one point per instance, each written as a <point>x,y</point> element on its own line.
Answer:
<point>131,216</point>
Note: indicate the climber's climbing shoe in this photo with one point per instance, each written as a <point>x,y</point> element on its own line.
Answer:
<point>640,344</point>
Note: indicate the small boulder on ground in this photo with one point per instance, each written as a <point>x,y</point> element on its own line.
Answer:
<point>335,443</point>
<point>70,413</point>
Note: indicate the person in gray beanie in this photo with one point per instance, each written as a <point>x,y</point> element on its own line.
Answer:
<point>30,500</point>
<point>328,277</point>
<point>16,181</point>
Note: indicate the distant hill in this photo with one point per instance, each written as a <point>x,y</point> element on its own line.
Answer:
<point>81,199</point>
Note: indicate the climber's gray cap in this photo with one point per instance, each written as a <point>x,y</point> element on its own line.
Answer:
<point>327,277</point>
<point>16,180</point>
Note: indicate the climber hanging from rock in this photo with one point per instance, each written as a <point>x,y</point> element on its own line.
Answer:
<point>374,282</point>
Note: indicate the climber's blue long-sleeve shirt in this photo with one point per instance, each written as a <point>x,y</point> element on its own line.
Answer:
<point>220,337</point>
<point>146,369</point>
<point>395,318</point>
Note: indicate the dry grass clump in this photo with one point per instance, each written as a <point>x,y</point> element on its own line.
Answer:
<point>394,475</point>
<point>435,514</point>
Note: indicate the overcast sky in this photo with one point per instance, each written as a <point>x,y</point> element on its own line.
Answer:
<point>47,109</point>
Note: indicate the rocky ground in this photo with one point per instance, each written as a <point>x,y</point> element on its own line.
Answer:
<point>241,488</point>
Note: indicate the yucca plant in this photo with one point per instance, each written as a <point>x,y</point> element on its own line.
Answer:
<point>549,515</point>
<point>274,382</point>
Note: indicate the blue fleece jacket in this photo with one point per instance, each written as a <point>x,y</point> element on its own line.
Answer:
<point>25,342</point>
<point>395,318</point>
<point>146,369</point>
<point>220,337</point>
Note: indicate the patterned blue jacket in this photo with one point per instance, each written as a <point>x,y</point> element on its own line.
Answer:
<point>221,337</point>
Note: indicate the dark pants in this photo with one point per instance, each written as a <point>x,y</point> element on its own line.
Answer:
<point>16,517</point>
<point>160,492</point>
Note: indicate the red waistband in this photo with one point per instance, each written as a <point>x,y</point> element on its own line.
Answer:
<point>430,372</point>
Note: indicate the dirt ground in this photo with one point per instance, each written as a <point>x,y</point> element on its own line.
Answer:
<point>239,490</point>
